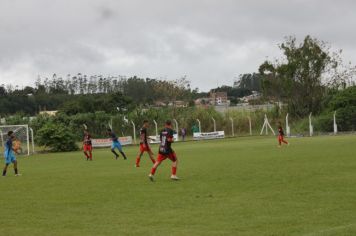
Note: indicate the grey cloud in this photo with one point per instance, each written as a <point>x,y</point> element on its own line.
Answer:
<point>207,40</point>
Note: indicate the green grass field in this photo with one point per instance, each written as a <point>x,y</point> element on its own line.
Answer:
<point>242,186</point>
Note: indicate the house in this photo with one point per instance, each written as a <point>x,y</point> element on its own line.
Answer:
<point>219,98</point>
<point>254,96</point>
<point>202,102</point>
<point>49,113</point>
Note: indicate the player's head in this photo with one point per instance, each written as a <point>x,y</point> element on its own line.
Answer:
<point>168,124</point>
<point>86,132</point>
<point>11,134</point>
<point>109,131</point>
<point>146,123</point>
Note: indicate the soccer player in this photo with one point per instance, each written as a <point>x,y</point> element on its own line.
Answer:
<point>10,154</point>
<point>115,144</point>
<point>87,145</point>
<point>281,135</point>
<point>144,146</point>
<point>166,151</point>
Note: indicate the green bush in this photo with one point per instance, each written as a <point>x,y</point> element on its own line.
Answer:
<point>57,136</point>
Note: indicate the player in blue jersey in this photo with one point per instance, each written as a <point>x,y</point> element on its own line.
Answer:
<point>115,144</point>
<point>10,154</point>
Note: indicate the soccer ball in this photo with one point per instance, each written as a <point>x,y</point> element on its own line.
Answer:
<point>17,145</point>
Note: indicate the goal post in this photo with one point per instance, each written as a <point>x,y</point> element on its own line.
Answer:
<point>22,133</point>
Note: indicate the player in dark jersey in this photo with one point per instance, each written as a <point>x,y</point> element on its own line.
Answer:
<point>144,146</point>
<point>87,145</point>
<point>10,154</point>
<point>281,135</point>
<point>115,144</point>
<point>165,151</point>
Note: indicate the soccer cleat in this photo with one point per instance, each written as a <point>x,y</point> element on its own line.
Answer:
<point>150,176</point>
<point>137,166</point>
<point>116,157</point>
<point>174,177</point>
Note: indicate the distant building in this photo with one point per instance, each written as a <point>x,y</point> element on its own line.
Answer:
<point>202,102</point>
<point>178,104</point>
<point>160,104</point>
<point>254,96</point>
<point>219,98</point>
<point>50,113</point>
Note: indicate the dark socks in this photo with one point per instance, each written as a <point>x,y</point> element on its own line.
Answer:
<point>116,155</point>
<point>4,173</point>
<point>16,172</point>
<point>123,154</point>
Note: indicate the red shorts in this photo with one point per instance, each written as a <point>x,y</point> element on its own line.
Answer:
<point>87,148</point>
<point>144,148</point>
<point>280,138</point>
<point>171,156</point>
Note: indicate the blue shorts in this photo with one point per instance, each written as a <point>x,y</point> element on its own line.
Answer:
<point>116,145</point>
<point>9,157</point>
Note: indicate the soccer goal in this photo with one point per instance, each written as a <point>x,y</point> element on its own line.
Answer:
<point>23,133</point>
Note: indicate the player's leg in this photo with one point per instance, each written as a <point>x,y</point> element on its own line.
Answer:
<point>158,162</point>
<point>174,159</point>
<point>150,153</point>
<point>5,169</point>
<point>91,155</point>
<point>15,168</point>
<point>119,147</point>
<point>138,158</point>
<point>113,150</point>
<point>283,140</point>
<point>279,140</point>
<point>86,154</point>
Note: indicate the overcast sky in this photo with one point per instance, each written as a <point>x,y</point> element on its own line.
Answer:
<point>209,41</point>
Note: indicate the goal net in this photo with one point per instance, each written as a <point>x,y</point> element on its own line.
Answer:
<point>22,133</point>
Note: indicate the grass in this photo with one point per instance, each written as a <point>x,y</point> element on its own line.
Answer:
<point>242,186</point>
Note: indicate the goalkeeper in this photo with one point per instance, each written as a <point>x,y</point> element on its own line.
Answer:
<point>9,154</point>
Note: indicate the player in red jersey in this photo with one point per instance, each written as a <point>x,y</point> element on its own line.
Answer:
<point>144,146</point>
<point>87,145</point>
<point>281,135</point>
<point>166,151</point>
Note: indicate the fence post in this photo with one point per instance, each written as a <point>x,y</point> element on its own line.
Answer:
<point>177,128</point>
<point>232,127</point>
<point>156,126</point>
<point>134,131</point>
<point>32,141</point>
<point>287,126</point>
<point>214,123</point>
<point>335,125</point>
<point>199,124</point>
<point>311,130</point>
<point>249,121</point>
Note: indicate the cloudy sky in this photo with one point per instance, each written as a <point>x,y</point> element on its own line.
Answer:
<point>209,41</point>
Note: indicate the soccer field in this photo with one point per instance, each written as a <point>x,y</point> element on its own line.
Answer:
<point>242,186</point>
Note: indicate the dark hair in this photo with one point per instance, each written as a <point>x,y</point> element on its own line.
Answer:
<point>168,122</point>
<point>10,133</point>
<point>145,121</point>
<point>109,130</point>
